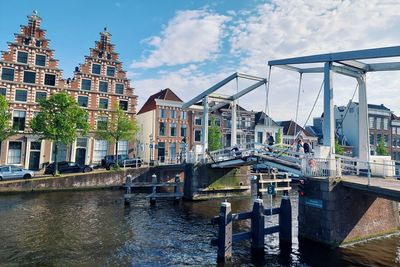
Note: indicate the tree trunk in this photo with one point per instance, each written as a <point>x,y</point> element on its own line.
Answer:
<point>55,158</point>
<point>116,152</point>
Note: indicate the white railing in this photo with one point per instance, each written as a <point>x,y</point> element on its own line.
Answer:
<point>320,167</point>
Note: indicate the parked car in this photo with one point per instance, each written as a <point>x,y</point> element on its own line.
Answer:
<point>15,172</point>
<point>67,167</point>
<point>123,161</point>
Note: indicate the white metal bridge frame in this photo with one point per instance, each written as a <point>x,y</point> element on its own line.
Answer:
<point>210,94</point>
<point>349,64</point>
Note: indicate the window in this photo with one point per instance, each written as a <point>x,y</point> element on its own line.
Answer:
<point>14,152</point>
<point>123,104</point>
<point>371,139</point>
<point>19,120</point>
<point>29,77</point>
<point>398,130</point>
<point>7,74</point>
<point>36,145</point>
<point>173,114</point>
<point>96,68</point>
<point>247,122</point>
<point>100,150</point>
<point>183,130</point>
<point>21,95</point>
<point>378,123</point>
<point>103,103</point>
<point>197,135</point>
<point>102,123</point>
<point>393,130</point>
<point>40,95</point>
<point>162,128</point>
<point>371,122</point>
<point>197,120</point>
<point>86,84</point>
<point>83,101</point>
<point>3,92</point>
<point>103,86</point>
<point>183,115</point>
<point>50,79</point>
<point>386,139</point>
<point>378,138</point>
<point>22,57</point>
<point>110,71</point>
<point>38,43</point>
<point>163,113</point>
<point>119,88</point>
<point>27,41</point>
<point>172,150</point>
<point>172,129</point>
<point>123,147</point>
<point>259,137</point>
<point>40,60</point>
<point>385,123</point>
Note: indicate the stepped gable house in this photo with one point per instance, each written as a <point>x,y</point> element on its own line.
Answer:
<point>29,72</point>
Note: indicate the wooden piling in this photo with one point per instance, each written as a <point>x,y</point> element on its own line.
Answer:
<point>224,253</point>
<point>257,227</point>
<point>128,185</point>
<point>154,189</point>
<point>285,220</point>
<point>177,189</point>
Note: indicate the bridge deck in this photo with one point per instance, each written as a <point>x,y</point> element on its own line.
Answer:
<point>386,188</point>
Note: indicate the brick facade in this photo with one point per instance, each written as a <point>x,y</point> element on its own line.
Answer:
<point>29,71</point>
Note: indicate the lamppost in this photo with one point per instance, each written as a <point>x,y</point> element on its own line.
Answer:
<point>151,147</point>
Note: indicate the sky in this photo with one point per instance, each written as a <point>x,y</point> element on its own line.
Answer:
<point>189,46</point>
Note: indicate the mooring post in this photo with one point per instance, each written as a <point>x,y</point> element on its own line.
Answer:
<point>225,233</point>
<point>257,227</point>
<point>254,187</point>
<point>128,185</point>
<point>154,189</point>
<point>285,219</point>
<point>177,188</point>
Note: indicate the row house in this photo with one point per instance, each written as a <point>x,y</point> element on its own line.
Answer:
<point>292,132</point>
<point>29,72</point>
<point>380,126</point>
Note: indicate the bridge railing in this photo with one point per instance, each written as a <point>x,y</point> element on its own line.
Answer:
<point>382,168</point>
<point>320,167</point>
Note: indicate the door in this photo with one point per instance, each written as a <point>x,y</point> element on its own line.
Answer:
<point>34,160</point>
<point>161,151</point>
<point>80,156</point>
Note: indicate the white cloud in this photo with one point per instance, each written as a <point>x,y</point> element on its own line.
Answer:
<point>283,29</point>
<point>191,36</point>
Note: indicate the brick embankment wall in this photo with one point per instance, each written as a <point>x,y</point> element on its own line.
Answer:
<point>89,180</point>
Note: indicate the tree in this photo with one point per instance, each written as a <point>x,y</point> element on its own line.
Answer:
<point>5,116</point>
<point>60,120</point>
<point>381,150</point>
<point>118,127</point>
<point>214,135</point>
<point>338,148</point>
<point>278,137</point>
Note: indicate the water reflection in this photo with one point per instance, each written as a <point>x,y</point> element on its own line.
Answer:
<point>94,229</point>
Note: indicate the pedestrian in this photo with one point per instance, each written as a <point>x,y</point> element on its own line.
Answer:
<point>299,147</point>
<point>307,147</point>
<point>271,141</point>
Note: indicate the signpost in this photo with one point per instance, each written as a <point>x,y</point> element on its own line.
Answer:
<point>271,191</point>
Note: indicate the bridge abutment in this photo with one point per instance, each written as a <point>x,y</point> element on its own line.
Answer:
<point>334,215</point>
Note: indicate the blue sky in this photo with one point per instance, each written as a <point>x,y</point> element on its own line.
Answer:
<point>190,45</point>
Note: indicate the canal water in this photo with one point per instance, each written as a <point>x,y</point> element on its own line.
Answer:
<point>94,229</point>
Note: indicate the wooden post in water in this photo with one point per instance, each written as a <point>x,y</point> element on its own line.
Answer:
<point>285,220</point>
<point>154,189</point>
<point>257,227</point>
<point>225,233</point>
<point>128,185</point>
<point>177,188</point>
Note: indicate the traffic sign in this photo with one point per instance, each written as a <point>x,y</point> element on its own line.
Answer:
<point>271,189</point>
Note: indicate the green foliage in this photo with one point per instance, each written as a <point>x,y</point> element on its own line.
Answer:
<point>214,135</point>
<point>381,150</point>
<point>278,137</point>
<point>118,127</point>
<point>338,148</point>
<point>5,117</point>
<point>60,120</point>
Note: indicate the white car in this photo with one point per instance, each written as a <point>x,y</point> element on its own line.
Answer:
<point>14,172</point>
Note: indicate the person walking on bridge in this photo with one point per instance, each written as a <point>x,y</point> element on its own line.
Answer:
<point>271,141</point>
